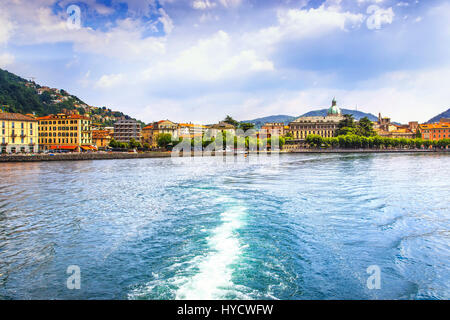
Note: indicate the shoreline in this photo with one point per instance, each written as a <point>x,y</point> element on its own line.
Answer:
<point>160,154</point>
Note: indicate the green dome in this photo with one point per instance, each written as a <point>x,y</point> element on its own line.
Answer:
<point>334,109</point>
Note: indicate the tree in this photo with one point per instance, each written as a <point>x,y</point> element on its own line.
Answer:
<point>314,140</point>
<point>133,144</point>
<point>418,134</point>
<point>345,124</point>
<point>246,126</point>
<point>113,143</point>
<point>365,127</point>
<point>231,121</point>
<point>164,140</point>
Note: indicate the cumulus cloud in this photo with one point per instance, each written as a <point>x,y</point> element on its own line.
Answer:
<point>210,59</point>
<point>36,24</point>
<point>296,24</point>
<point>110,80</point>
<point>6,28</point>
<point>6,59</point>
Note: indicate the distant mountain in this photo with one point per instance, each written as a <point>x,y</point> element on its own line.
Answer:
<point>445,114</point>
<point>356,114</point>
<point>279,118</point>
<point>315,113</point>
<point>22,96</point>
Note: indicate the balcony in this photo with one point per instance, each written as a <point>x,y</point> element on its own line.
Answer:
<point>32,144</point>
<point>23,135</point>
<point>13,135</point>
<point>4,144</point>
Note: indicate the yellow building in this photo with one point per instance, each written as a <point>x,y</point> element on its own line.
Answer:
<point>65,132</point>
<point>326,126</point>
<point>150,133</point>
<point>18,133</point>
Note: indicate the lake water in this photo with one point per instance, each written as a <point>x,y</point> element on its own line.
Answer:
<point>305,227</point>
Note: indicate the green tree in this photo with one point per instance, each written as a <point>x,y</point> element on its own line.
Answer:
<point>347,122</point>
<point>418,134</point>
<point>365,127</point>
<point>231,121</point>
<point>133,144</point>
<point>246,126</point>
<point>164,140</point>
<point>113,143</point>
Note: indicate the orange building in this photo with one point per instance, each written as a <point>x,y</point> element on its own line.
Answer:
<point>276,128</point>
<point>71,132</point>
<point>101,138</point>
<point>435,131</point>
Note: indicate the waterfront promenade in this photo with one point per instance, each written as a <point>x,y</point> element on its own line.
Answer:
<point>160,154</point>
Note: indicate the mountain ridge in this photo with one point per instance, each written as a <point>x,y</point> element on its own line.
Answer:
<point>445,114</point>
<point>258,122</point>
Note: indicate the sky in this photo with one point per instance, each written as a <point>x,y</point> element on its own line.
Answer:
<point>200,60</point>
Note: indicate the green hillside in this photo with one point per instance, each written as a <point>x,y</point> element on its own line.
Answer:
<point>22,96</point>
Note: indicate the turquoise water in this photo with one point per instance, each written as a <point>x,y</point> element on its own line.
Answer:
<point>305,227</point>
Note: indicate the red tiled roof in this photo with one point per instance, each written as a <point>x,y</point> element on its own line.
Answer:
<point>15,117</point>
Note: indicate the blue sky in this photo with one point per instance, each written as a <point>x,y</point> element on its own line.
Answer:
<point>199,60</point>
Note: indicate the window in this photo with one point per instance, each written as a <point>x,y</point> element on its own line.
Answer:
<point>12,124</point>
<point>3,124</point>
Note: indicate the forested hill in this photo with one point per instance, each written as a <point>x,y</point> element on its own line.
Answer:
<point>24,96</point>
<point>20,95</point>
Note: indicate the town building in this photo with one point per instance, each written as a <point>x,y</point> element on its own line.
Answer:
<point>275,128</point>
<point>150,133</point>
<point>385,128</point>
<point>70,132</point>
<point>18,133</point>
<point>213,130</point>
<point>125,130</point>
<point>101,138</point>
<point>326,126</point>
<point>435,131</point>
<point>189,130</point>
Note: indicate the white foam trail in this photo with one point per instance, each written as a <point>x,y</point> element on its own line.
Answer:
<point>214,277</point>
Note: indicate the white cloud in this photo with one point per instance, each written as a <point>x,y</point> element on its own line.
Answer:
<point>296,24</point>
<point>203,4</point>
<point>111,80</point>
<point>6,28</point>
<point>402,4</point>
<point>210,59</point>
<point>6,59</point>
<point>37,25</point>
